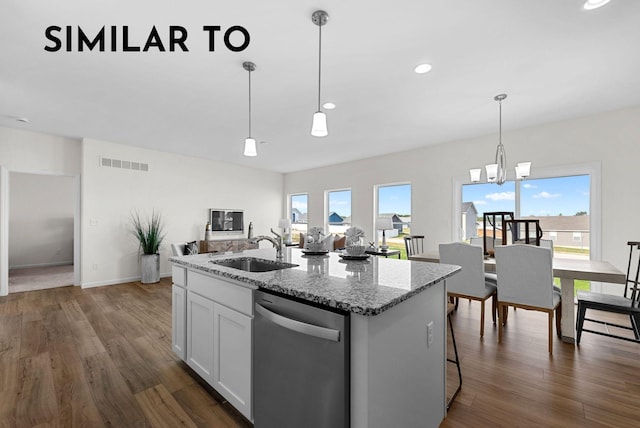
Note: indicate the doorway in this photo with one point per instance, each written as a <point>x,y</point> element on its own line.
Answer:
<point>41,220</point>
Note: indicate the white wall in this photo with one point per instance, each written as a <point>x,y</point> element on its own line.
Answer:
<point>181,188</point>
<point>40,219</point>
<point>30,152</point>
<point>25,151</point>
<point>610,138</point>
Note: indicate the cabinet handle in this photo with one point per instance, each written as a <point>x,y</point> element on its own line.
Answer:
<point>298,326</point>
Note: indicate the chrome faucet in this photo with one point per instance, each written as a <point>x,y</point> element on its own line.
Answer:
<point>277,242</point>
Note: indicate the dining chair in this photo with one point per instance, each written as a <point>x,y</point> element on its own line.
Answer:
<point>488,276</point>
<point>627,304</point>
<point>469,283</point>
<point>414,244</point>
<point>178,249</point>
<point>525,280</point>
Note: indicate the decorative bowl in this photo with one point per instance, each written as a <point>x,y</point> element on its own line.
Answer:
<point>355,250</point>
<point>314,246</point>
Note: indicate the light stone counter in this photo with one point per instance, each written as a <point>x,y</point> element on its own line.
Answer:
<point>397,313</point>
<point>367,287</point>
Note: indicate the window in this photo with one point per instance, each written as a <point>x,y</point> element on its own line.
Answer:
<point>298,205</point>
<point>561,204</point>
<point>338,211</point>
<point>395,201</point>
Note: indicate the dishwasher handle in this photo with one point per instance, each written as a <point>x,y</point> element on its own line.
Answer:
<point>298,326</point>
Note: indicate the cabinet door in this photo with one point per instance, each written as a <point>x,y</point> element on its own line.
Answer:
<point>200,355</point>
<point>179,321</point>
<point>232,345</point>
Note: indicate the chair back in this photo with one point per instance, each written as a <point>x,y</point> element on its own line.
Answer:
<point>476,240</point>
<point>547,243</point>
<point>525,275</point>
<point>414,244</point>
<point>470,280</point>
<point>632,286</point>
<point>178,249</point>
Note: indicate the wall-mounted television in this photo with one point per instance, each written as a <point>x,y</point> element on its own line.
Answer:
<point>226,220</point>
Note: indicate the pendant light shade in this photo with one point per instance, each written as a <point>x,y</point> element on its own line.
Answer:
<point>319,125</point>
<point>250,148</point>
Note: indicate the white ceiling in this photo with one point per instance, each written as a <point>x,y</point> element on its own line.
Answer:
<point>553,59</point>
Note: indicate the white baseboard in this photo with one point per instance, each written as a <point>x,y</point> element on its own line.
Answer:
<point>37,265</point>
<point>118,281</point>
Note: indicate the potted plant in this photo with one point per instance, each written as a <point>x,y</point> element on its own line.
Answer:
<point>150,235</point>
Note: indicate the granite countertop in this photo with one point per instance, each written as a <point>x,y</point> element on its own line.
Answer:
<point>364,287</point>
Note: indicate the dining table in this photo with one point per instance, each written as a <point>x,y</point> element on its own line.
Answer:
<point>568,270</point>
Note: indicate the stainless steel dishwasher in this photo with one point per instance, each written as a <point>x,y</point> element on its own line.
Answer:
<point>300,365</point>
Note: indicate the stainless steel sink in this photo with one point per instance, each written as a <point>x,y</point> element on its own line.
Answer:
<point>252,264</point>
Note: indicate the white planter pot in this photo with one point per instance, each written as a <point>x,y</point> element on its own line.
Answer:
<point>150,264</point>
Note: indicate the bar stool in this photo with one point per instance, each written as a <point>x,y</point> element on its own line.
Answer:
<point>450,308</point>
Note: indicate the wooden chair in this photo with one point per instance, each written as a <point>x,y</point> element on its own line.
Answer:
<point>414,244</point>
<point>525,280</point>
<point>470,282</point>
<point>456,361</point>
<point>627,304</point>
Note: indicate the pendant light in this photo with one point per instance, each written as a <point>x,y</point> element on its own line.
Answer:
<point>497,171</point>
<point>319,126</point>
<point>250,148</point>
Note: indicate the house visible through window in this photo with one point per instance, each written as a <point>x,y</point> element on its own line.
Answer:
<point>298,205</point>
<point>394,201</point>
<point>338,211</point>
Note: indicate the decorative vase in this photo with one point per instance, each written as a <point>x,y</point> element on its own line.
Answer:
<point>150,264</point>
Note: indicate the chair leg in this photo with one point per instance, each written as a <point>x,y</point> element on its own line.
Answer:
<point>482,319</point>
<point>582,310</point>
<point>494,309</point>
<point>501,309</point>
<point>457,362</point>
<point>635,324</point>
<point>551,331</point>
<point>559,320</point>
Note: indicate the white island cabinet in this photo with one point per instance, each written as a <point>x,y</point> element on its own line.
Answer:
<point>396,369</point>
<point>179,312</point>
<point>212,332</point>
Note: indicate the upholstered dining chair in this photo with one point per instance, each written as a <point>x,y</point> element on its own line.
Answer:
<point>627,304</point>
<point>414,244</point>
<point>178,249</point>
<point>525,280</point>
<point>469,283</point>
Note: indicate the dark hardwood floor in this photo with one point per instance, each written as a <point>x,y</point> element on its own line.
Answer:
<point>102,357</point>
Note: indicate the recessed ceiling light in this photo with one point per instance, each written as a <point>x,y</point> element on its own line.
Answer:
<point>329,106</point>
<point>422,68</point>
<point>594,4</point>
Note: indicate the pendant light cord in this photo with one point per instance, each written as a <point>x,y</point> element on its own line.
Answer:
<point>500,134</point>
<point>319,61</point>
<point>249,103</point>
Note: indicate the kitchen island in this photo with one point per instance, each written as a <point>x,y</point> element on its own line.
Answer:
<point>397,327</point>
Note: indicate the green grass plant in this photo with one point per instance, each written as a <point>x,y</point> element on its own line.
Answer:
<point>149,233</point>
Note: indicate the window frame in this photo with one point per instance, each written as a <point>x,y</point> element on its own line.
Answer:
<point>290,207</point>
<point>326,205</point>
<point>376,203</point>
<point>593,169</point>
